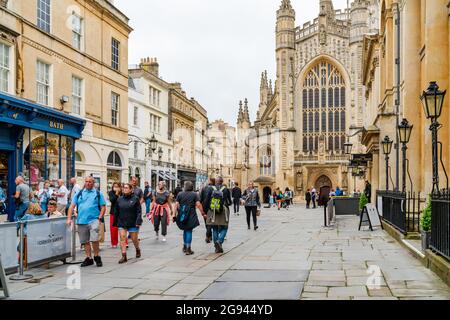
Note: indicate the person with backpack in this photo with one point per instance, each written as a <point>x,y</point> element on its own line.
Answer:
<point>205,204</point>
<point>91,208</point>
<point>128,214</point>
<point>219,199</point>
<point>161,211</point>
<point>252,204</point>
<point>187,202</point>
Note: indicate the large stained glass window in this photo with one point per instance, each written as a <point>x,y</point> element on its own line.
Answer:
<point>323,97</point>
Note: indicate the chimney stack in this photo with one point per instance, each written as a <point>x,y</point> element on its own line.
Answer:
<point>150,65</point>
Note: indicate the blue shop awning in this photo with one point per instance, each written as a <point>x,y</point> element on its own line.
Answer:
<point>28,114</point>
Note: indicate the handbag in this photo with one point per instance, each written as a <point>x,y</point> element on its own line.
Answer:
<point>258,212</point>
<point>101,232</point>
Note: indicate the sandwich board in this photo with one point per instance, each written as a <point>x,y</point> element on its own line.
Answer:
<point>370,217</point>
<point>3,283</point>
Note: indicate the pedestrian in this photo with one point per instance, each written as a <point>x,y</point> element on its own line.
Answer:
<point>314,197</point>
<point>279,197</point>
<point>252,204</point>
<point>287,198</point>
<point>128,214</point>
<point>271,201</point>
<point>74,189</point>
<point>205,204</point>
<point>332,193</point>
<point>368,191</point>
<point>291,197</point>
<point>91,208</point>
<point>21,198</point>
<point>62,196</point>
<point>177,190</point>
<point>113,196</point>
<point>339,192</point>
<point>187,202</point>
<point>219,199</point>
<point>44,196</point>
<point>161,211</point>
<point>308,198</point>
<point>148,194</point>
<point>236,193</point>
<point>137,190</point>
<point>52,210</point>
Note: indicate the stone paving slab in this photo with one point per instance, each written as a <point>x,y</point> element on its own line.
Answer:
<point>253,290</point>
<point>264,275</point>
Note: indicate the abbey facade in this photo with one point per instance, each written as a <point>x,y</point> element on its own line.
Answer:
<point>314,106</point>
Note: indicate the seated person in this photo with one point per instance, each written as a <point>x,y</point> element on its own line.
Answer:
<point>52,211</point>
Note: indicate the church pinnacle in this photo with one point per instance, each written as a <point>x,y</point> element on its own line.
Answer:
<point>286,4</point>
<point>246,112</point>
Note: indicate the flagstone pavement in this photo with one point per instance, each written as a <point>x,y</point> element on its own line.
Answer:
<point>291,256</point>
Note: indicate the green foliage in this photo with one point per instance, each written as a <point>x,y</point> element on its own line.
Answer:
<point>425,220</point>
<point>363,201</point>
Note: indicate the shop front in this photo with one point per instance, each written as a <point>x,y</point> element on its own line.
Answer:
<point>37,143</point>
<point>187,174</point>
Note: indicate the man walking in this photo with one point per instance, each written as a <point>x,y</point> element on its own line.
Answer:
<point>148,194</point>
<point>22,198</point>
<point>75,188</point>
<point>314,197</point>
<point>91,206</point>
<point>205,204</point>
<point>62,197</point>
<point>137,190</point>
<point>219,199</point>
<point>236,193</point>
<point>368,191</point>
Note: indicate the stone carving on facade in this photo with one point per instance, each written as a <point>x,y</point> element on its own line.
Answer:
<point>300,180</point>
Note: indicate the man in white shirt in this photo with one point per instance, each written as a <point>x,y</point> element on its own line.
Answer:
<point>75,188</point>
<point>62,196</point>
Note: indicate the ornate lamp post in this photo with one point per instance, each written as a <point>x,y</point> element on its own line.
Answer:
<point>387,148</point>
<point>433,101</point>
<point>404,133</point>
<point>348,146</point>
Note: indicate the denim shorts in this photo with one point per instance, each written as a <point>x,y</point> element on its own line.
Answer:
<point>130,230</point>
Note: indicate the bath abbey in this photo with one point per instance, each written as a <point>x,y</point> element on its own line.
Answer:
<point>313,107</point>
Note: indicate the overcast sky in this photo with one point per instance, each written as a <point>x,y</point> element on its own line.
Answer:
<point>216,49</point>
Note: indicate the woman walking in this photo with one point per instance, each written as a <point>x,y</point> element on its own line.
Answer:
<point>186,215</point>
<point>308,198</point>
<point>279,198</point>
<point>128,214</point>
<point>252,204</point>
<point>114,195</point>
<point>161,211</point>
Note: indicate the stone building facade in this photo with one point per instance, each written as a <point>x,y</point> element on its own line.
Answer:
<point>148,107</point>
<point>72,56</point>
<point>188,124</point>
<point>314,106</point>
<point>423,57</point>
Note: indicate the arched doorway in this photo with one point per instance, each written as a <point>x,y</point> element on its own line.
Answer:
<point>324,185</point>
<point>267,191</point>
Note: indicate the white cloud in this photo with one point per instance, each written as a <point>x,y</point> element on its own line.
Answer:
<point>216,49</point>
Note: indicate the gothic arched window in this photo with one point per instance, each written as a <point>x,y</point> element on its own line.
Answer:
<point>324,97</point>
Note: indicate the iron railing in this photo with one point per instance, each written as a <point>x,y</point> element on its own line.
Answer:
<point>440,223</point>
<point>402,210</point>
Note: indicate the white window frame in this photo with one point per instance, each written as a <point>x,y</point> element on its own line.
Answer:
<point>77,32</point>
<point>43,83</point>
<point>77,95</point>
<point>115,64</point>
<point>115,107</point>
<point>42,24</point>
<point>6,67</point>
<point>135,115</point>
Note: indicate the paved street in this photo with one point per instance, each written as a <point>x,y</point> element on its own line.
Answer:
<point>290,257</point>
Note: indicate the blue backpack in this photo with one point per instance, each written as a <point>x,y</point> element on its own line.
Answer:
<point>183,213</point>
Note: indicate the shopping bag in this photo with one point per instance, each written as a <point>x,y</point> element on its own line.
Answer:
<point>258,212</point>
<point>101,232</point>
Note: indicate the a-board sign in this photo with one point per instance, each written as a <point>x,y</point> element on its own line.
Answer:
<point>3,283</point>
<point>370,217</point>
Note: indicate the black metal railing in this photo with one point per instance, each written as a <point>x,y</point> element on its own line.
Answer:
<point>401,210</point>
<point>440,223</point>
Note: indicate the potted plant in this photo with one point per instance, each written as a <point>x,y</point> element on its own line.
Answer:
<point>425,223</point>
<point>362,202</point>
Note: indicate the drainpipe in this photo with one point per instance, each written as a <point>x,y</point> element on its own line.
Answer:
<point>397,101</point>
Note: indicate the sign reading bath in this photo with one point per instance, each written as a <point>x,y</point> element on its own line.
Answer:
<point>56,125</point>
<point>370,217</point>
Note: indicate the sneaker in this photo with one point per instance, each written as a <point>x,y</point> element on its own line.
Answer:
<point>138,253</point>
<point>87,262</point>
<point>256,228</point>
<point>164,239</point>
<point>189,251</point>
<point>124,259</point>
<point>248,227</point>
<point>220,248</point>
<point>98,261</point>
<point>184,248</point>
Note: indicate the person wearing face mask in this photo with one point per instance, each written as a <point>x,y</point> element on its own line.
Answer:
<point>128,212</point>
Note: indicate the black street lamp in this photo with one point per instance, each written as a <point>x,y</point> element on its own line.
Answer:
<point>348,146</point>
<point>387,148</point>
<point>153,143</point>
<point>404,133</point>
<point>433,101</point>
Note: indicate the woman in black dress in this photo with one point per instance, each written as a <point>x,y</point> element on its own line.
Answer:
<point>113,195</point>
<point>186,215</point>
